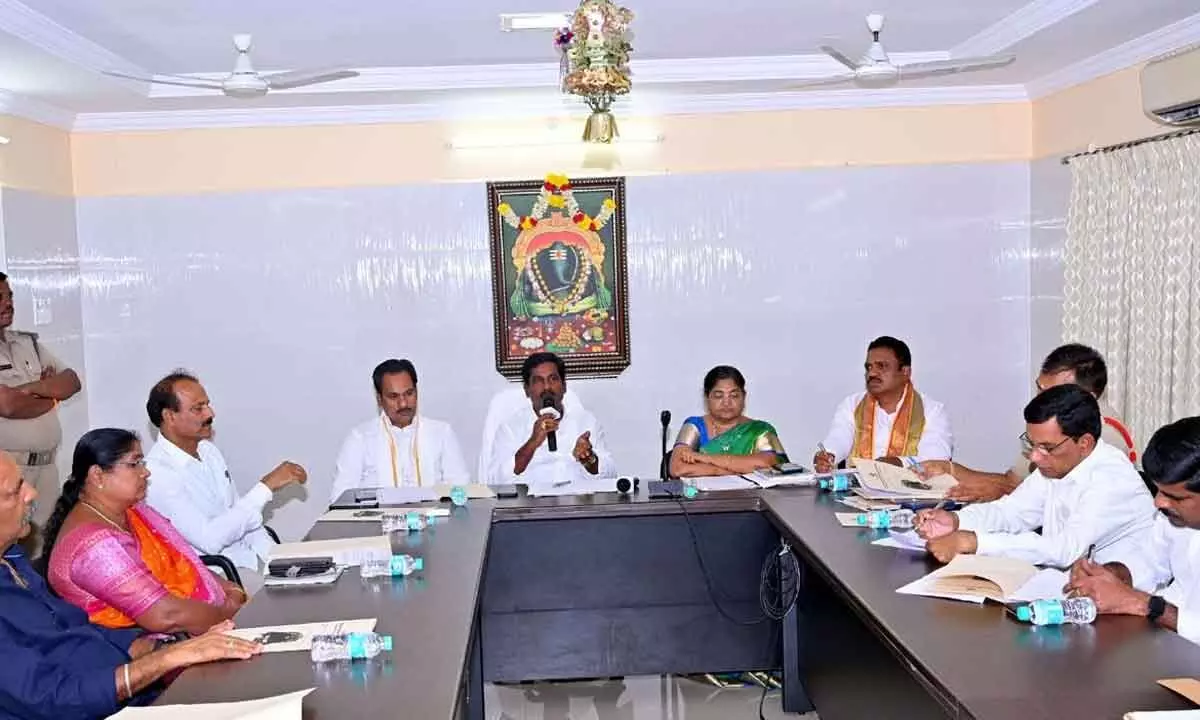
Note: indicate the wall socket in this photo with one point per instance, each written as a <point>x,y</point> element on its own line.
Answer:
<point>42,314</point>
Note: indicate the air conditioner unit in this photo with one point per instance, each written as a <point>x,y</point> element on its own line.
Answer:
<point>1171,88</point>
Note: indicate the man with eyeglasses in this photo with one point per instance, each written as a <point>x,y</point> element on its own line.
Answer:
<point>1085,495</point>
<point>1067,364</point>
<point>1172,461</point>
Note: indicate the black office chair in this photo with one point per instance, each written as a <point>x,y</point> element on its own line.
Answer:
<point>226,566</point>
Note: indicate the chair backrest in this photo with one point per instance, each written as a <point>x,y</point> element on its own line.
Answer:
<point>503,405</point>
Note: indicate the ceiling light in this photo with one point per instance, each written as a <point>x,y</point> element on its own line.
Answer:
<point>533,21</point>
<point>3,140</point>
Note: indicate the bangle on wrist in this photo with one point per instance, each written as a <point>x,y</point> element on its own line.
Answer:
<point>125,676</point>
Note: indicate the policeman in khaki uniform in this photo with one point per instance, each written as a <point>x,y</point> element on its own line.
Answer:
<point>32,384</point>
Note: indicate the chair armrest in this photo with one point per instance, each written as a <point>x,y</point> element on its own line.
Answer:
<point>225,565</point>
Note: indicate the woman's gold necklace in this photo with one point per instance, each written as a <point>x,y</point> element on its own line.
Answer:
<point>103,517</point>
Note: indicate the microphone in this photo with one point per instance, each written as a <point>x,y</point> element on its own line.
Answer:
<point>549,409</point>
<point>663,467</point>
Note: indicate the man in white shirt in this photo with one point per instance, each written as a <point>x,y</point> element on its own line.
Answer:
<point>1172,461</point>
<point>891,421</point>
<point>191,485</point>
<point>398,447</point>
<point>522,451</point>
<point>1085,495</point>
<point>1071,363</point>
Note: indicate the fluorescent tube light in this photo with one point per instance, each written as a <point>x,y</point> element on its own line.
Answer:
<point>533,21</point>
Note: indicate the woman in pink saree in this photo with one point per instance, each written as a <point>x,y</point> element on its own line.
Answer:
<point>118,559</point>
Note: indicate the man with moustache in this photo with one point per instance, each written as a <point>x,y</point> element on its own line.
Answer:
<point>32,384</point>
<point>891,421</point>
<point>1085,496</point>
<point>398,447</point>
<point>192,487</point>
<point>521,453</point>
<point>1172,461</point>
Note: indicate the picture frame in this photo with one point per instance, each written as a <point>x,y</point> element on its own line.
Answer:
<point>560,277</point>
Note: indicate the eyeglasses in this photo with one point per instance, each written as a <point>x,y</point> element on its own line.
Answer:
<point>141,463</point>
<point>1045,448</point>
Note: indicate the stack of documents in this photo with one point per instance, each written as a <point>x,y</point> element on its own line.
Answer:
<point>297,638</point>
<point>376,514</point>
<point>881,481</point>
<point>976,578</point>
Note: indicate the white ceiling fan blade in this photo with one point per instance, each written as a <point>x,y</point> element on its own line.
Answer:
<point>168,80</point>
<point>949,67</point>
<point>816,82</point>
<point>838,55</point>
<point>300,78</point>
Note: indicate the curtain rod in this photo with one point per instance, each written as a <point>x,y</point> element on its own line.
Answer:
<point>1132,143</point>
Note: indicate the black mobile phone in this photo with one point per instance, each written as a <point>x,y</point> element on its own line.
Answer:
<point>276,636</point>
<point>505,492</point>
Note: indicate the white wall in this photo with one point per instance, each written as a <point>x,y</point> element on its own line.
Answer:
<point>1050,196</point>
<point>42,256</point>
<point>284,301</point>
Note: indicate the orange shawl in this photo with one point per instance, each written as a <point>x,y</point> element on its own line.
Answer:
<point>165,563</point>
<point>906,430</point>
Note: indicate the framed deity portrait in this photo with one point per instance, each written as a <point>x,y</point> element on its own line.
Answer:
<point>559,273</point>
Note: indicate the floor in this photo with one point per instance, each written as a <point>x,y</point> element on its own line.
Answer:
<point>633,698</point>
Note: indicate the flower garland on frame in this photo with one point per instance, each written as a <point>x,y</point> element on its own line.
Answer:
<point>557,193</point>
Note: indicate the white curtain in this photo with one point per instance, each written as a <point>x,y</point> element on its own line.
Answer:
<point>1132,276</point>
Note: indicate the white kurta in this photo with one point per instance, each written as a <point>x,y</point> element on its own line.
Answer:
<point>200,499</point>
<point>937,441</point>
<point>1175,554</point>
<point>548,467</point>
<point>1102,502</point>
<point>365,459</point>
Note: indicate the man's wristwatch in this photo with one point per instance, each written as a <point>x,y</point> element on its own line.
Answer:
<point>1155,609</point>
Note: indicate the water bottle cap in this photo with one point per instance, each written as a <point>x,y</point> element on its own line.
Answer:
<point>385,641</point>
<point>689,491</point>
<point>1024,613</point>
<point>861,519</point>
<point>418,563</point>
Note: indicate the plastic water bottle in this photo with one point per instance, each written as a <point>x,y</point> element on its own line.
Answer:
<point>1078,610</point>
<point>690,491</point>
<point>458,495</point>
<point>351,646</point>
<point>411,521</point>
<point>894,519</point>
<point>394,566</point>
<point>834,483</point>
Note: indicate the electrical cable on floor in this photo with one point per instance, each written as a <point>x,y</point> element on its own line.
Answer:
<point>779,581</point>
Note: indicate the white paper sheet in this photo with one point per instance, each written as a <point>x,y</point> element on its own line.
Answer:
<point>344,551</point>
<point>765,480</point>
<point>1046,585</point>
<point>848,519</point>
<point>902,541</point>
<point>376,514</point>
<point>865,505</point>
<point>575,487</point>
<point>402,495</point>
<point>306,630</point>
<point>279,707</point>
<point>722,482</point>
<point>1164,715</point>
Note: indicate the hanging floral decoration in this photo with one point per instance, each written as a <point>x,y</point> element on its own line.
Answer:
<point>562,43</point>
<point>556,193</point>
<point>597,62</point>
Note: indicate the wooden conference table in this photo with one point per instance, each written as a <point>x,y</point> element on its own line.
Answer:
<point>611,585</point>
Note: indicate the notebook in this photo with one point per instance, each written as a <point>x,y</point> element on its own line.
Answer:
<point>976,578</point>
<point>881,481</point>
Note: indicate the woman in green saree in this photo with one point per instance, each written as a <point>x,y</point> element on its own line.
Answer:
<point>724,441</point>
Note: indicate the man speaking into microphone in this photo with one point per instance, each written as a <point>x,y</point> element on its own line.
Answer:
<point>565,442</point>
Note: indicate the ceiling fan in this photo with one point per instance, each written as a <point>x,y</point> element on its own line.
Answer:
<point>245,81</point>
<point>876,70</point>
